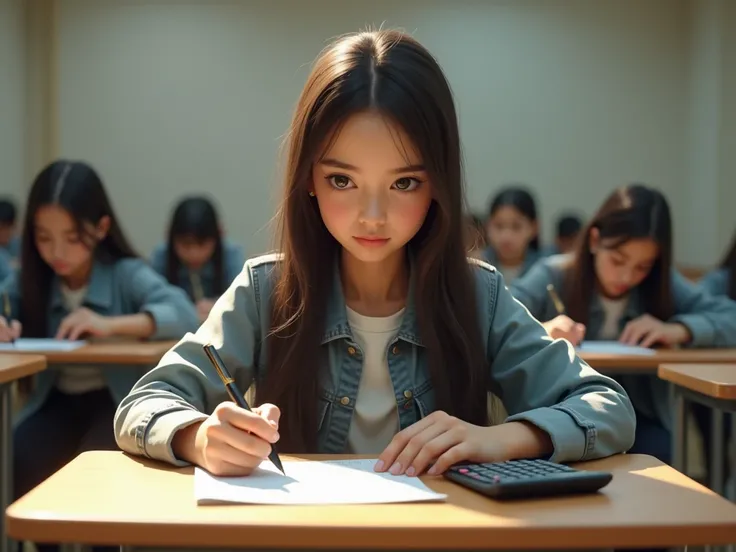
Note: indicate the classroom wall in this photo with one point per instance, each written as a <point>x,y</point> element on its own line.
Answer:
<point>727,198</point>
<point>571,96</point>
<point>12,98</point>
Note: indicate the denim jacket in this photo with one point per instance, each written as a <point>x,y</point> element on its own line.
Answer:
<point>126,286</point>
<point>541,381</point>
<point>716,282</point>
<point>711,321</point>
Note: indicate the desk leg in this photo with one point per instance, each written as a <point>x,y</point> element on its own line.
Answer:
<point>6,457</point>
<point>679,440</point>
<point>717,451</point>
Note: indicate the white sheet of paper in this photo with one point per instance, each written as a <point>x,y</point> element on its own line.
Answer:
<point>311,482</point>
<point>614,348</point>
<point>41,345</point>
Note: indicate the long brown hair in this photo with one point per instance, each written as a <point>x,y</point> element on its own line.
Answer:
<point>391,73</point>
<point>630,212</point>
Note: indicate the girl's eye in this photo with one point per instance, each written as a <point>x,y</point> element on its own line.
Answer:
<point>339,181</point>
<point>407,184</point>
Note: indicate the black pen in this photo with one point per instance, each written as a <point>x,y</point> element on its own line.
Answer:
<point>235,395</point>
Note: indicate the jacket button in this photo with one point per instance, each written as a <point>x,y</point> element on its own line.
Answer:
<point>345,401</point>
<point>408,394</point>
<point>351,351</point>
<point>395,350</point>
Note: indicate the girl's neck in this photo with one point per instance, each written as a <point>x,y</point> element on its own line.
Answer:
<point>79,279</point>
<point>375,289</point>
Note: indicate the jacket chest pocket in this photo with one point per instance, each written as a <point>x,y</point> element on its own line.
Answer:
<point>423,400</point>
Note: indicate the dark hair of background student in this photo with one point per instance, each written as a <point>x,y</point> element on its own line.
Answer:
<point>77,188</point>
<point>632,212</point>
<point>8,212</point>
<point>729,263</point>
<point>522,200</point>
<point>391,73</point>
<point>195,218</point>
<point>568,226</point>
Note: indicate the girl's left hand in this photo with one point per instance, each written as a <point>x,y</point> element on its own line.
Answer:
<point>83,321</point>
<point>646,331</point>
<point>446,440</point>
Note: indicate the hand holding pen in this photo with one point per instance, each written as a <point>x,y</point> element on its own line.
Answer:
<point>9,329</point>
<point>234,439</point>
<point>562,326</point>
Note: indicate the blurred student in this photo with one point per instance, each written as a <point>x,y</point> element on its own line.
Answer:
<point>619,284</point>
<point>9,239</point>
<point>79,278</point>
<point>196,257</point>
<point>512,232</point>
<point>568,230</point>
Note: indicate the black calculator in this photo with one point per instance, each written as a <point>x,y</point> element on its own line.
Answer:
<point>517,479</point>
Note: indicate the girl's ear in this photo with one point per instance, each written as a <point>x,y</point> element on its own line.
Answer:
<point>102,228</point>
<point>594,240</point>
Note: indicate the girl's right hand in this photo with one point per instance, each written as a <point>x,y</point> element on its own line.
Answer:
<point>232,441</point>
<point>9,332</point>
<point>564,327</point>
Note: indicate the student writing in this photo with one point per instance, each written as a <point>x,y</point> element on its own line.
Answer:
<point>79,278</point>
<point>619,284</point>
<point>371,332</point>
<point>512,232</point>
<point>196,256</point>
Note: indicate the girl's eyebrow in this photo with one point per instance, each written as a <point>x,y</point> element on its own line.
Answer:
<point>331,162</point>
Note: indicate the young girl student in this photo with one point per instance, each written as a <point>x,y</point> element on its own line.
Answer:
<point>512,232</point>
<point>79,278</point>
<point>619,284</point>
<point>196,257</point>
<point>371,332</point>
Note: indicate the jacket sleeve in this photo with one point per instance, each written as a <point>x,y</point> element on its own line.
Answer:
<point>184,387</point>
<point>715,282</point>
<point>172,311</point>
<point>710,319</point>
<point>542,381</point>
<point>531,290</point>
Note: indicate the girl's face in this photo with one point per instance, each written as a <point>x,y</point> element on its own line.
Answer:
<point>509,233</point>
<point>372,190</point>
<point>60,244</point>
<point>192,252</point>
<point>620,269</point>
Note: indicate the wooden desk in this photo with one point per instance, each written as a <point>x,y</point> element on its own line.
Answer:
<point>611,363</point>
<point>121,500</point>
<point>113,352</point>
<point>12,368</point>
<point>713,385</point>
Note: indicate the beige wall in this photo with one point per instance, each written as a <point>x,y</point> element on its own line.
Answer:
<point>12,98</point>
<point>572,96</point>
